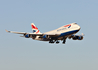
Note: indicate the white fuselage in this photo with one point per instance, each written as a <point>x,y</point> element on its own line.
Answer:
<point>64,31</point>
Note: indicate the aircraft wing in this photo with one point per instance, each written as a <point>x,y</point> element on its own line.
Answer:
<point>41,34</point>
<point>15,32</point>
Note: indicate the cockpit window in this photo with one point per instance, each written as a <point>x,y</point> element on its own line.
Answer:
<point>75,23</point>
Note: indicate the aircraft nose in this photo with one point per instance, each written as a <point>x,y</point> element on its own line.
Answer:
<point>79,27</point>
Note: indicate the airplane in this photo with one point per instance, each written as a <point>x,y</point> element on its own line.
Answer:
<point>62,33</point>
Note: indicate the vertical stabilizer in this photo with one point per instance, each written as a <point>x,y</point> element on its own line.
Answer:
<point>34,28</point>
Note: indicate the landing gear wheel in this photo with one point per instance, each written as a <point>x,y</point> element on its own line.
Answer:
<point>64,41</point>
<point>51,41</point>
<point>57,42</point>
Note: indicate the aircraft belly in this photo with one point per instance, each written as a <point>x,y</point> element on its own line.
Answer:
<point>68,33</point>
<point>61,37</point>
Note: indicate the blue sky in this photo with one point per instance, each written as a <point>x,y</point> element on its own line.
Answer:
<point>18,53</point>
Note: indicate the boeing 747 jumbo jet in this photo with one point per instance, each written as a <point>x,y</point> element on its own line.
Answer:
<point>62,33</point>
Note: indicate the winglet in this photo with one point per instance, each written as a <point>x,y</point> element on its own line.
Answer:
<point>7,31</point>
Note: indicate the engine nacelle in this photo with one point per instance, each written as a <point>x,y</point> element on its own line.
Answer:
<point>33,36</point>
<point>77,37</point>
<point>45,36</point>
<point>80,38</point>
<point>27,35</point>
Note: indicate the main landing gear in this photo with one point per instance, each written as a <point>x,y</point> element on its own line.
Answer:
<point>64,41</point>
<point>53,41</point>
<point>56,41</point>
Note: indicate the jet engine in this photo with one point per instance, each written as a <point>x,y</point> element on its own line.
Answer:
<point>80,38</point>
<point>45,36</point>
<point>77,37</point>
<point>27,35</point>
<point>33,36</point>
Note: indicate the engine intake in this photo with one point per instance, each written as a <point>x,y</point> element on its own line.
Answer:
<point>33,36</point>
<point>27,35</point>
<point>80,38</point>
<point>75,38</point>
<point>45,36</point>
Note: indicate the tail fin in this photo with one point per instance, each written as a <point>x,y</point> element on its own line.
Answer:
<point>34,28</point>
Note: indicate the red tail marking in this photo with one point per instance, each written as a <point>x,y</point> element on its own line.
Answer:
<point>33,27</point>
<point>67,25</point>
<point>37,31</point>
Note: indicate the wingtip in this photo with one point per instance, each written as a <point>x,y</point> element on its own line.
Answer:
<point>7,30</point>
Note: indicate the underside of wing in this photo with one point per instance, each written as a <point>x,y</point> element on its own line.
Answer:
<point>30,35</point>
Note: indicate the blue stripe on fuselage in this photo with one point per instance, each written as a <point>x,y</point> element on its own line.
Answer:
<point>68,33</point>
<point>63,34</point>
